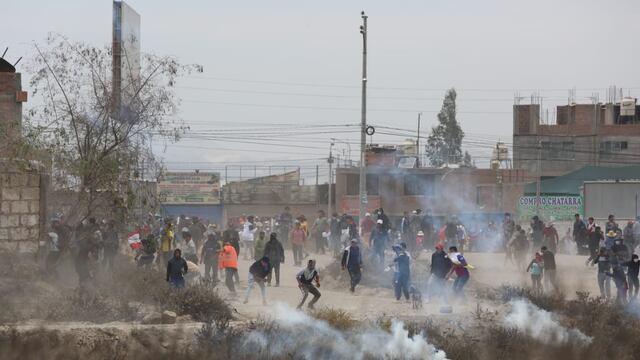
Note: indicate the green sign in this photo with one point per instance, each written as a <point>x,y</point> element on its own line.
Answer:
<point>556,208</point>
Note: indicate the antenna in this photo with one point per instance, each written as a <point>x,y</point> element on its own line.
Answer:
<point>5,51</point>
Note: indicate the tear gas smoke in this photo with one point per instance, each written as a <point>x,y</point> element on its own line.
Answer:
<point>301,336</point>
<point>541,325</point>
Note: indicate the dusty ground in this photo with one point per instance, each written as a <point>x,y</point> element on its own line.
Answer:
<point>374,302</point>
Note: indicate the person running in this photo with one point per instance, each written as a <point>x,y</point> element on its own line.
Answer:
<point>537,228</point>
<point>258,273</point>
<point>604,266</point>
<point>550,237</point>
<point>595,238</point>
<point>167,240</point>
<point>248,237</point>
<point>508,229</point>
<point>298,238</point>
<point>275,252</point>
<point>620,251</point>
<point>620,280</point>
<point>258,250</point>
<point>352,262</point>
<point>579,233</point>
<point>176,269</point>
<point>190,252</point>
<point>549,260</point>
<point>440,266</point>
<point>519,247</point>
<point>460,268</point>
<point>335,232</point>
<point>111,244</point>
<point>633,268</point>
<point>401,272</point>
<point>319,226</point>
<point>536,266</point>
<point>209,256</point>
<point>51,263</point>
<point>379,239</point>
<point>306,277</point>
<point>627,236</point>
<point>366,228</point>
<point>611,224</point>
<point>228,260</point>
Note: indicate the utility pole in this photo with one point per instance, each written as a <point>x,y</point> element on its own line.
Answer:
<point>418,139</point>
<point>330,161</point>
<point>538,170</point>
<point>363,125</point>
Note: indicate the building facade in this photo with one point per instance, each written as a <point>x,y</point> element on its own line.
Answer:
<point>584,134</point>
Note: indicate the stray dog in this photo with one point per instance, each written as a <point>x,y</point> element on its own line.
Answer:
<point>416,297</point>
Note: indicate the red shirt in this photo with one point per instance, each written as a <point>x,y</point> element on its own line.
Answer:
<point>367,225</point>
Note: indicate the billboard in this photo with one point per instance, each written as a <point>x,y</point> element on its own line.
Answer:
<point>126,53</point>
<point>189,188</point>
<point>556,208</point>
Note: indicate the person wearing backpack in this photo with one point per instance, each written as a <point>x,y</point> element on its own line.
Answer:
<point>209,257</point>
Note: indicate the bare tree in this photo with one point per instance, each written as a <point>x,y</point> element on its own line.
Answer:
<point>93,138</point>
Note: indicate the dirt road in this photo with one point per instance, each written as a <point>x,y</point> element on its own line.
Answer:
<point>373,302</point>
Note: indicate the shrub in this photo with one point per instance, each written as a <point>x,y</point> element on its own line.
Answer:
<point>337,318</point>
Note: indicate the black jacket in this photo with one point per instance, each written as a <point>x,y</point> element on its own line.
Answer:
<point>232,236</point>
<point>351,258</point>
<point>258,270</point>
<point>440,264</point>
<point>176,268</point>
<point>274,251</point>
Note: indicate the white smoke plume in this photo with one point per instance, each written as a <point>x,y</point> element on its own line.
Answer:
<point>541,325</point>
<point>301,337</point>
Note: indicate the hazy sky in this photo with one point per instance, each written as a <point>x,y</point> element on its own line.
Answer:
<point>298,64</point>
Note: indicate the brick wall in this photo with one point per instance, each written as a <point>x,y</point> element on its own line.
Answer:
<point>20,210</point>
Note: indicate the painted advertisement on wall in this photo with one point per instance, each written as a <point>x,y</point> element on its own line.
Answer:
<point>556,208</point>
<point>189,188</point>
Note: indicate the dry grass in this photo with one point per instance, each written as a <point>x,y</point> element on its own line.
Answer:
<point>338,319</point>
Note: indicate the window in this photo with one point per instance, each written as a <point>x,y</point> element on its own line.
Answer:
<point>353,184</point>
<point>372,184</point>
<point>421,185</point>
<point>609,148</point>
<point>556,150</point>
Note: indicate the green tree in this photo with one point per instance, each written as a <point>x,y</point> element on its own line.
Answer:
<point>444,144</point>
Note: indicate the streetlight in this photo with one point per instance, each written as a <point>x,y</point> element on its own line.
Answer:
<point>363,125</point>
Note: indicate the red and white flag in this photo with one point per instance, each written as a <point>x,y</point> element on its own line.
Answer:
<point>134,240</point>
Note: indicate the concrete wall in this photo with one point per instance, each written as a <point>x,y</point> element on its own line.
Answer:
<point>22,209</point>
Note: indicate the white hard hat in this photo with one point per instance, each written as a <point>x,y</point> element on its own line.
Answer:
<point>380,221</point>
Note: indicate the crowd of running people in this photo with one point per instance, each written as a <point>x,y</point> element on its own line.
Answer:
<point>181,244</point>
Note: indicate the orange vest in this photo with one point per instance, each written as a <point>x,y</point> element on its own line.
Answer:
<point>228,258</point>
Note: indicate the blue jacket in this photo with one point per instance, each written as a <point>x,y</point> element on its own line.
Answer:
<point>379,238</point>
<point>402,263</point>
